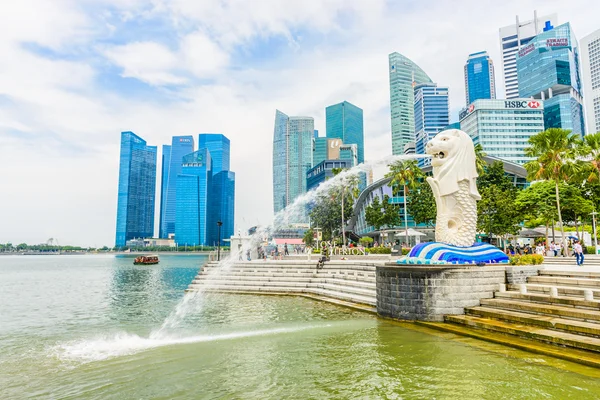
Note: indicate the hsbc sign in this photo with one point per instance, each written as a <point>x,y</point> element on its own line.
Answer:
<point>522,104</point>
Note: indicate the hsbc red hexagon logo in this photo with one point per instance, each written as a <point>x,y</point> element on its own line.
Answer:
<point>471,108</point>
<point>533,104</point>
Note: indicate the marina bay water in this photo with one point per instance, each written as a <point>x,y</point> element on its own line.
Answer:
<point>80,327</point>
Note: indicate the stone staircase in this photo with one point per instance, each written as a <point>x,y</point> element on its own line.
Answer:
<point>555,307</point>
<point>346,283</point>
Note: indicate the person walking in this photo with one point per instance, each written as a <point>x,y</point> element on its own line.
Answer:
<point>578,252</point>
<point>285,250</point>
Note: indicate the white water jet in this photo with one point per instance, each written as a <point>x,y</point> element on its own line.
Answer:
<point>193,301</point>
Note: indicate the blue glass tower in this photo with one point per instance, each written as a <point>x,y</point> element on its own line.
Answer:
<point>219,147</point>
<point>432,115</point>
<point>222,202</point>
<point>137,183</point>
<point>548,70</point>
<point>345,121</point>
<point>479,77</point>
<point>292,158</point>
<point>193,199</point>
<point>171,168</point>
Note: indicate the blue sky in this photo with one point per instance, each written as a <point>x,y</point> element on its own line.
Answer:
<point>75,73</point>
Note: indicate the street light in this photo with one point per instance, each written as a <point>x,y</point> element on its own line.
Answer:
<point>219,223</point>
<point>595,234</point>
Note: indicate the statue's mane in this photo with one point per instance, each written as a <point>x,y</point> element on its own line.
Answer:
<point>458,167</point>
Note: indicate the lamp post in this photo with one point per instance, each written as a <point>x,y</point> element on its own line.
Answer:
<point>595,235</point>
<point>219,223</point>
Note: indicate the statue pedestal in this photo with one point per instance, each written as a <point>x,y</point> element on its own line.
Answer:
<point>435,253</point>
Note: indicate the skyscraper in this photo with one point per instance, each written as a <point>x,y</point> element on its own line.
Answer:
<point>512,39</point>
<point>404,75</point>
<point>219,147</point>
<point>590,71</point>
<point>292,158</point>
<point>222,204</point>
<point>171,168</point>
<point>137,183</point>
<point>548,70</point>
<point>194,185</point>
<point>432,114</point>
<point>503,127</point>
<point>345,121</point>
<point>479,77</point>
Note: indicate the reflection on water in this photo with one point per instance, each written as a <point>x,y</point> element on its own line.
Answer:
<point>82,331</point>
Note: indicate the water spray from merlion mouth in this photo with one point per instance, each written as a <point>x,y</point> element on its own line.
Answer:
<point>193,301</point>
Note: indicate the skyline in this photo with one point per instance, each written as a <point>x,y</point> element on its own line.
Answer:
<point>74,78</point>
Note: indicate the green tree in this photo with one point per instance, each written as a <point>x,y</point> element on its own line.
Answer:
<point>366,241</point>
<point>537,203</point>
<point>391,213</point>
<point>309,237</point>
<point>555,151</point>
<point>405,176</point>
<point>347,189</point>
<point>421,205</point>
<point>480,163</point>
<point>590,165</point>
<point>374,214</point>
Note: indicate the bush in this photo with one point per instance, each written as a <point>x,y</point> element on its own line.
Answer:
<point>590,250</point>
<point>379,250</point>
<point>527,259</point>
<point>405,251</point>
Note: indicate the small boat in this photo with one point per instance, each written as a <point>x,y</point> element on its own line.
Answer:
<point>146,260</point>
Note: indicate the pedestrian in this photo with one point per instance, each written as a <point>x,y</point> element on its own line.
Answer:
<point>248,254</point>
<point>578,251</point>
<point>285,250</point>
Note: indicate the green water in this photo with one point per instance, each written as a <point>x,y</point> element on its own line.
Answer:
<point>81,327</point>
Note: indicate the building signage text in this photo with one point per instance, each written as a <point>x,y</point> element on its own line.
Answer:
<point>562,42</point>
<point>521,104</point>
<point>526,50</point>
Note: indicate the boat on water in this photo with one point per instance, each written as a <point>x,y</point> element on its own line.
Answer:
<point>146,260</point>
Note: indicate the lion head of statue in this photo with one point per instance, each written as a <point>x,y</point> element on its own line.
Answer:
<point>453,160</point>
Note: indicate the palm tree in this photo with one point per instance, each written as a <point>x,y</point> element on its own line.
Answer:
<point>591,152</point>
<point>405,175</point>
<point>480,163</point>
<point>555,151</point>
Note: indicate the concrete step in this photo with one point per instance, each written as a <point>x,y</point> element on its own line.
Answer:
<point>545,321</point>
<point>238,278</point>
<point>547,299</point>
<point>579,356</point>
<point>562,290</point>
<point>565,281</point>
<point>242,284</point>
<point>543,309</point>
<point>573,274</point>
<point>290,275</point>
<point>527,331</point>
<point>353,298</point>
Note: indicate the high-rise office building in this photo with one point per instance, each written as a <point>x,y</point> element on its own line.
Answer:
<point>432,114</point>
<point>503,127</point>
<point>219,147</point>
<point>221,206</point>
<point>548,70</point>
<point>480,82</point>
<point>137,183</point>
<point>404,75</point>
<point>345,121</point>
<point>292,158</point>
<point>172,156</point>
<point>194,186</point>
<point>590,70</point>
<point>320,149</point>
<point>512,39</point>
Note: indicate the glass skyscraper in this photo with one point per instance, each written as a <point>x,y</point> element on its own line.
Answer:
<point>512,39</point>
<point>548,70</point>
<point>345,121</point>
<point>292,158</point>
<point>503,127</point>
<point>590,71</point>
<point>319,150</point>
<point>404,75</point>
<point>219,147</point>
<point>479,77</point>
<point>137,183</point>
<point>171,167</point>
<point>221,206</point>
<point>432,115</point>
<point>194,186</point>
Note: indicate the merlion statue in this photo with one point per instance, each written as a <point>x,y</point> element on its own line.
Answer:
<point>454,187</point>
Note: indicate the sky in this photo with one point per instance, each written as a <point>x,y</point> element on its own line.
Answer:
<point>75,73</point>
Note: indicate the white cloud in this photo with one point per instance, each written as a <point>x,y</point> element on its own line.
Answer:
<point>59,129</point>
